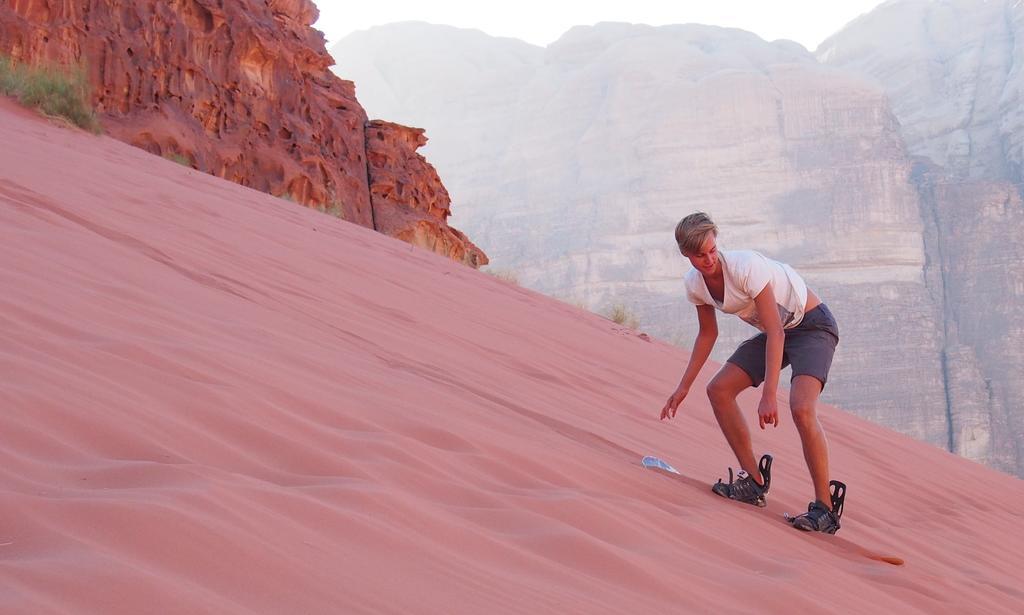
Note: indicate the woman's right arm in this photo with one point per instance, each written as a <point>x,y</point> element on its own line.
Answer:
<point>706,337</point>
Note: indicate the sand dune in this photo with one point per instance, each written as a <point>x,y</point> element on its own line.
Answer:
<point>214,401</point>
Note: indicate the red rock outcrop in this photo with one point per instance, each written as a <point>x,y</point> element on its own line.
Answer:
<point>239,88</point>
<point>409,201</point>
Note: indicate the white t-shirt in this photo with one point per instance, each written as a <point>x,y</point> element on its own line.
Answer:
<point>746,274</point>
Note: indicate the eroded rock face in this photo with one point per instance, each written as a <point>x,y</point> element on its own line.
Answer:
<point>241,89</point>
<point>973,237</point>
<point>408,199</point>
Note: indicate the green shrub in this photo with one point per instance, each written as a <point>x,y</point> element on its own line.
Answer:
<point>56,91</point>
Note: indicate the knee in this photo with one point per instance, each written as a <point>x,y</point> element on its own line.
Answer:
<point>718,392</point>
<point>804,415</point>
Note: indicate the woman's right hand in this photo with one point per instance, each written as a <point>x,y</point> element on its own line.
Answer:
<point>676,398</point>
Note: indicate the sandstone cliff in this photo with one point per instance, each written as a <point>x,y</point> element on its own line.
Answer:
<point>587,153</point>
<point>240,89</point>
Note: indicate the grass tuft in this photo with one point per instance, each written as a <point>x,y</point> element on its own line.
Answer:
<point>621,315</point>
<point>55,91</point>
<point>504,274</point>
<point>181,159</point>
<point>335,210</point>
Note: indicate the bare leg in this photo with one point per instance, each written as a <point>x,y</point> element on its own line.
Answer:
<point>803,401</point>
<point>722,391</point>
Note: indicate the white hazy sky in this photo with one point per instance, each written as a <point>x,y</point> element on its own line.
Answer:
<point>541,22</point>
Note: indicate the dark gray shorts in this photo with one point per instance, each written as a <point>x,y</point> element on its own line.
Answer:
<point>808,346</point>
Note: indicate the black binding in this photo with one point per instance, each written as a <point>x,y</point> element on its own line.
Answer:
<point>838,492</point>
<point>765,467</point>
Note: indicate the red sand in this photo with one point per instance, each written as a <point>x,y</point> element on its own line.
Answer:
<point>216,401</point>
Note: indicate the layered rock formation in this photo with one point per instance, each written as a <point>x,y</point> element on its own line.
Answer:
<point>953,74</point>
<point>240,89</point>
<point>598,144</point>
<point>405,206</point>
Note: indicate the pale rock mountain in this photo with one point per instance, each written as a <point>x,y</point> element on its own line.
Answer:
<point>952,72</point>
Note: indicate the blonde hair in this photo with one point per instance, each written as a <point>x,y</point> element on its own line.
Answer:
<point>692,231</point>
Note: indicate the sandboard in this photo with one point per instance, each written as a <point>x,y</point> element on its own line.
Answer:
<point>859,550</point>
<point>656,463</point>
